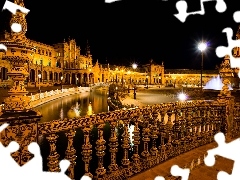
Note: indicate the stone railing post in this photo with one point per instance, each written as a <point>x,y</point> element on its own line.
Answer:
<point>226,98</point>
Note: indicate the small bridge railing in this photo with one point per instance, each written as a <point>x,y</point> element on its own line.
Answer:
<point>127,142</point>
<point>41,98</point>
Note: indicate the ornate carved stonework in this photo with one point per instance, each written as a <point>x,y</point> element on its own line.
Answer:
<point>22,129</point>
<point>19,53</point>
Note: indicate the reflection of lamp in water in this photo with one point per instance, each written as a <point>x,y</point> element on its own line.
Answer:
<point>73,112</point>
<point>89,112</point>
<point>61,113</point>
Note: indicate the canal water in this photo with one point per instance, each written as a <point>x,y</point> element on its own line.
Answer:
<point>87,103</point>
<point>79,105</point>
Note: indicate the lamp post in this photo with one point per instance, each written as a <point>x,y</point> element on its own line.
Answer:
<point>122,77</point>
<point>61,83</point>
<point>202,46</point>
<point>39,87</point>
<point>147,82</point>
<point>134,66</point>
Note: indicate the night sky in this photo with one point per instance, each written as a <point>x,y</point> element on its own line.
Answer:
<point>132,31</point>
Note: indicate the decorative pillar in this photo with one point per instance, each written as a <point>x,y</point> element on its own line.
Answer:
<point>17,111</point>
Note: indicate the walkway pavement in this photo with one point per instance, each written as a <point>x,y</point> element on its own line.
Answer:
<point>150,96</point>
<point>200,172</point>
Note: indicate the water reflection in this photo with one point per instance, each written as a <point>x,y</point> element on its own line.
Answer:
<point>74,106</point>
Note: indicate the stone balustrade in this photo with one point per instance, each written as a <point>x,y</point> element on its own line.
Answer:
<point>121,143</point>
<point>42,98</point>
<point>160,132</point>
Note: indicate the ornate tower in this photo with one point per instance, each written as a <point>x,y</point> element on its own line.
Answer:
<point>225,68</point>
<point>19,53</point>
<point>19,18</point>
<point>236,50</point>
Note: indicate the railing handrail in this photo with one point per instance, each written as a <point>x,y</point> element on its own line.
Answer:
<point>47,96</point>
<point>100,118</point>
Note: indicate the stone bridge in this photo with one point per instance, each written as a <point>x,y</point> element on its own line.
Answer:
<point>103,146</point>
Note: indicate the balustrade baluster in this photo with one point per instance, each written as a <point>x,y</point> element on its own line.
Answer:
<point>100,147</point>
<point>125,145</point>
<point>154,136</point>
<point>169,133</point>
<point>175,130</point>
<point>188,124</point>
<point>53,158</point>
<point>71,152</point>
<point>87,151</point>
<point>146,138</point>
<point>136,142</point>
<point>162,146</point>
<point>113,147</point>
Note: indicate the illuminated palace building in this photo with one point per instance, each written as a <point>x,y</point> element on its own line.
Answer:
<point>63,62</point>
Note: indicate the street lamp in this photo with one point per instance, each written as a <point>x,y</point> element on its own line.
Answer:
<point>122,77</point>
<point>202,46</point>
<point>147,82</point>
<point>134,66</point>
<point>39,77</point>
<point>182,96</point>
<point>61,83</point>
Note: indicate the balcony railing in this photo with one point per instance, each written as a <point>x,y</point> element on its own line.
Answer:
<point>121,143</point>
<point>157,133</point>
<point>42,98</point>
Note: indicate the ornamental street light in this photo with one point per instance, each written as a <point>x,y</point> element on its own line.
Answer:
<point>134,66</point>
<point>202,46</point>
<point>39,87</point>
<point>61,83</point>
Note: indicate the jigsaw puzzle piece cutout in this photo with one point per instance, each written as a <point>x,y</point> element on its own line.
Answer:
<point>223,176</point>
<point>35,165</point>
<point>177,171</point>
<point>111,1</point>
<point>221,6</point>
<point>64,164</point>
<point>159,178</point>
<point>5,125</point>
<point>221,51</point>
<point>87,178</point>
<point>182,6</point>
<point>228,150</point>
<point>12,7</point>
<point>236,16</point>
<point>7,164</point>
